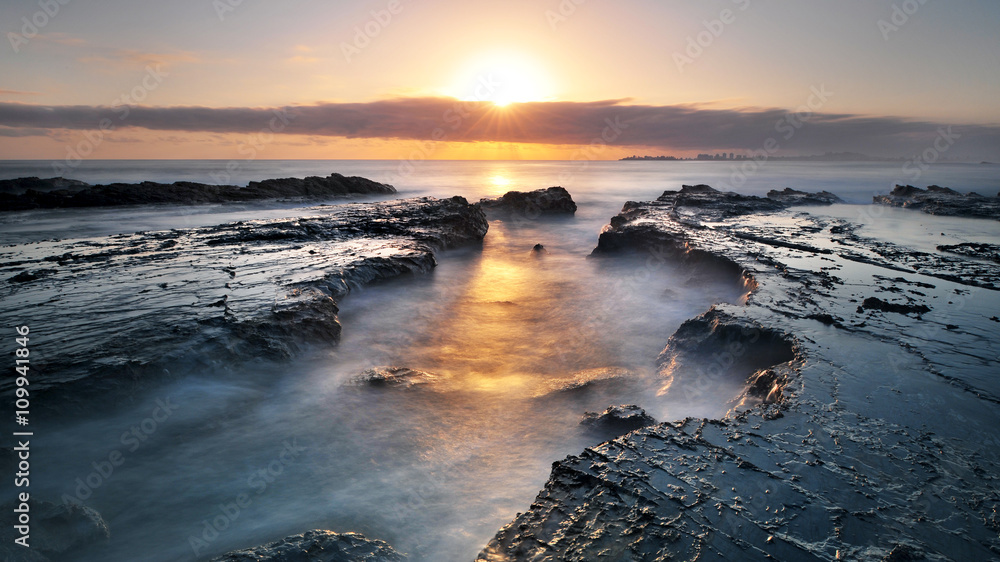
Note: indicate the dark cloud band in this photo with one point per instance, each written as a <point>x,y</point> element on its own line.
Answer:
<point>674,127</point>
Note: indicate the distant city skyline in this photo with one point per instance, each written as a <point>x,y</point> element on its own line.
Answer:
<point>565,79</point>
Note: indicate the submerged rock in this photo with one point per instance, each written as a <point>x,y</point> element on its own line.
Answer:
<point>393,377</point>
<point>58,531</point>
<point>617,420</point>
<point>875,303</point>
<point>132,307</point>
<point>318,546</point>
<point>33,193</point>
<point>554,200</point>
<point>937,200</point>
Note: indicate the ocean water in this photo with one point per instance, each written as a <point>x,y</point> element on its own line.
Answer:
<point>436,471</point>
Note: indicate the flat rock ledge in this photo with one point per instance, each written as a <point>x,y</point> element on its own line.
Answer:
<point>936,200</point>
<point>530,204</point>
<point>229,294</point>
<point>318,546</point>
<point>55,193</point>
<point>856,432</point>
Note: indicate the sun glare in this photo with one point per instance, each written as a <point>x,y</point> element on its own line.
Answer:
<point>503,79</point>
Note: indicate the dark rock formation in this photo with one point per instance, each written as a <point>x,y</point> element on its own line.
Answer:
<point>989,252</point>
<point>829,452</point>
<point>393,377</point>
<point>875,303</point>
<point>33,193</point>
<point>937,200</point>
<point>528,204</point>
<point>20,185</point>
<point>795,197</point>
<point>616,420</point>
<point>317,546</point>
<point>244,291</point>
<point>58,531</point>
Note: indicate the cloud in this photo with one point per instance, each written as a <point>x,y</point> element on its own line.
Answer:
<point>18,93</point>
<point>671,127</point>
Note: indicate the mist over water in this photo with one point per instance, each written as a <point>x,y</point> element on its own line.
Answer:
<point>435,469</point>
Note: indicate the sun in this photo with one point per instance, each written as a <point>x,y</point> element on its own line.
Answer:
<point>502,78</point>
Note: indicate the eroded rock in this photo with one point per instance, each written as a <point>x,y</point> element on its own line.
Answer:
<point>616,420</point>
<point>554,200</point>
<point>318,546</point>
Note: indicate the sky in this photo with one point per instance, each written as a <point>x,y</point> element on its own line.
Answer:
<point>511,79</point>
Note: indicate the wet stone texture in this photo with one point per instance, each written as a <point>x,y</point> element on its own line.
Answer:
<point>318,546</point>
<point>133,306</point>
<point>866,427</point>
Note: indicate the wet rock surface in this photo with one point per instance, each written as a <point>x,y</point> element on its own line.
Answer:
<point>392,377</point>
<point>554,200</point>
<point>132,306</point>
<point>989,252</point>
<point>53,193</point>
<point>795,197</point>
<point>936,200</point>
<point>855,434</point>
<point>318,546</point>
<point>616,420</point>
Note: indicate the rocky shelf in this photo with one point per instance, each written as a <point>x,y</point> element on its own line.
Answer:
<point>52,193</point>
<point>132,306</point>
<point>865,427</point>
<point>937,200</point>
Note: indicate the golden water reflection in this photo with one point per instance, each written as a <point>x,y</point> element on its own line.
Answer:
<point>519,322</point>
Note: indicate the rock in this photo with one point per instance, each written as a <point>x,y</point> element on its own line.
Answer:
<point>794,197</point>
<point>617,420</point>
<point>554,200</point>
<point>592,379</point>
<point>318,546</point>
<point>937,200</point>
<point>989,252</point>
<point>20,185</point>
<point>275,283</point>
<point>538,249</point>
<point>57,532</point>
<point>32,193</point>
<point>875,303</point>
<point>393,377</point>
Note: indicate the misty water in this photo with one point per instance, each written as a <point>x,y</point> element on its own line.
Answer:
<point>435,470</point>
